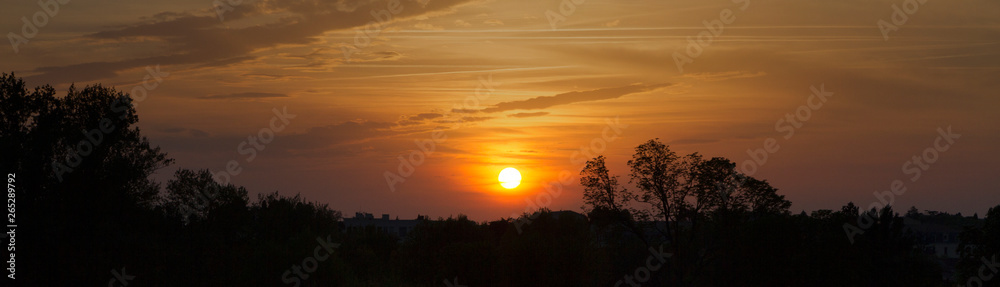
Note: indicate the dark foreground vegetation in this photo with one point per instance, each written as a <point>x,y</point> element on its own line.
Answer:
<point>89,216</point>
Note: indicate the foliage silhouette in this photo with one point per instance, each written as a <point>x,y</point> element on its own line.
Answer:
<point>91,210</point>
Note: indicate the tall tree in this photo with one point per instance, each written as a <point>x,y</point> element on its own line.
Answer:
<point>82,170</point>
<point>601,190</point>
<point>721,188</point>
<point>683,191</point>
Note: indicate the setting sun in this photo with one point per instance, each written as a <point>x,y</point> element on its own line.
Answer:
<point>509,178</point>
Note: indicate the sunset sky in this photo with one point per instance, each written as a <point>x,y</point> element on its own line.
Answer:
<point>528,83</point>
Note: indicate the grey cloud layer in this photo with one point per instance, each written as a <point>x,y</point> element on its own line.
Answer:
<point>205,41</point>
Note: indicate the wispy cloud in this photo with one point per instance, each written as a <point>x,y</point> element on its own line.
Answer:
<point>247,95</point>
<point>528,115</point>
<point>572,97</point>
<point>425,116</point>
<point>200,39</point>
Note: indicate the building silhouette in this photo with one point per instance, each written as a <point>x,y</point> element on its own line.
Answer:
<point>366,221</point>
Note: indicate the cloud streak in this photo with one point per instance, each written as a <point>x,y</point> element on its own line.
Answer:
<point>202,40</point>
<point>528,115</point>
<point>247,95</point>
<point>543,102</point>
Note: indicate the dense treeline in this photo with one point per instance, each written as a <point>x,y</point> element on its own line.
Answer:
<point>89,215</point>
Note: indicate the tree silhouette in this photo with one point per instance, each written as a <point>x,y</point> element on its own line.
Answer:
<point>196,196</point>
<point>980,251</point>
<point>601,190</point>
<point>83,169</point>
<point>86,200</point>
<point>683,193</point>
